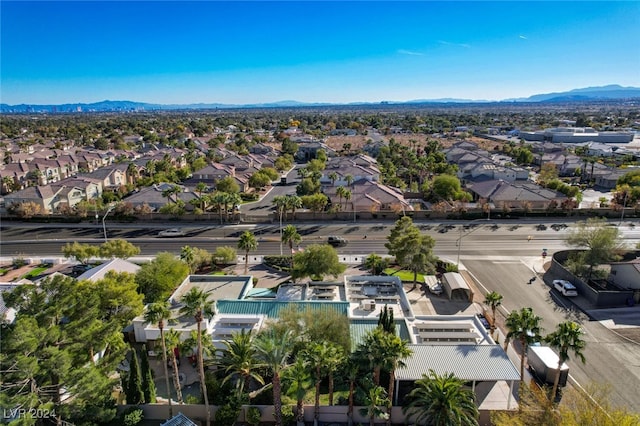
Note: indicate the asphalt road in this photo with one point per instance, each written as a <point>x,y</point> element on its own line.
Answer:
<point>609,357</point>
<point>495,254</point>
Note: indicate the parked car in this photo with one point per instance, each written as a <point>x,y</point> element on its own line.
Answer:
<point>173,232</point>
<point>436,289</point>
<point>565,287</point>
<point>484,321</point>
<point>336,241</point>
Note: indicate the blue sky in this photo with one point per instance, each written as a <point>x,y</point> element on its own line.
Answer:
<point>332,51</point>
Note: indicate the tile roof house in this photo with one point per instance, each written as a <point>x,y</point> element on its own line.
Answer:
<point>370,196</point>
<point>515,195</point>
<point>152,197</point>
<point>44,196</point>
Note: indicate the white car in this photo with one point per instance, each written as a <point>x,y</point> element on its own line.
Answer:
<point>173,232</point>
<point>565,287</point>
<point>436,289</point>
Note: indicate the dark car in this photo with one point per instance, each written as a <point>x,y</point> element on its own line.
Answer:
<point>336,241</point>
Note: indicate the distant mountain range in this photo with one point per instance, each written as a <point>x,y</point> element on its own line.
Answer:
<point>609,92</point>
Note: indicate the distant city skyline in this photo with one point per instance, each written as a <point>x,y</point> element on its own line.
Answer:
<point>327,52</point>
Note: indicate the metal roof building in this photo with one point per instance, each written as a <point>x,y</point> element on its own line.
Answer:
<point>478,364</point>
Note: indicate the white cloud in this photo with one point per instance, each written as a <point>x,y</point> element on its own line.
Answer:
<point>448,43</point>
<point>523,37</point>
<point>410,52</point>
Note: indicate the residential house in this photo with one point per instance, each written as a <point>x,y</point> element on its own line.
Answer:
<point>369,196</point>
<point>113,176</point>
<point>515,195</point>
<point>357,167</point>
<point>608,178</point>
<point>43,195</point>
<point>152,197</point>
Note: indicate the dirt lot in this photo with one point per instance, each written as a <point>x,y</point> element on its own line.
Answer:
<point>358,141</point>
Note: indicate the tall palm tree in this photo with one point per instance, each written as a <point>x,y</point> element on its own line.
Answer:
<point>333,177</point>
<point>567,337</point>
<point>172,339</point>
<point>348,179</point>
<point>316,355</point>
<point>441,401</point>
<point>340,193</point>
<point>233,200</point>
<point>335,358</point>
<point>347,197</point>
<point>375,398</point>
<point>248,242</point>
<point>493,300</point>
<point>273,350</point>
<point>293,202</point>
<point>351,370</point>
<point>170,192</point>
<point>158,313</point>
<point>197,304</point>
<point>373,350</point>
<point>523,326</point>
<point>280,203</point>
<point>291,236</point>
<point>219,198</point>
<point>396,351</point>
<point>239,361</point>
<point>187,255</point>
<point>299,378</point>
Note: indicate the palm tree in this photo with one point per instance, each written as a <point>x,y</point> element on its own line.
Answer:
<point>171,191</point>
<point>373,350</point>
<point>523,326</point>
<point>232,200</point>
<point>333,177</point>
<point>348,179</point>
<point>239,361</point>
<point>273,350</point>
<point>219,198</point>
<point>347,197</point>
<point>375,398</point>
<point>187,255</point>
<point>441,401</point>
<point>290,236</point>
<point>335,358</point>
<point>340,193</point>
<point>172,339</point>
<point>493,300</point>
<point>375,263</point>
<point>196,304</point>
<point>280,203</point>
<point>293,202</point>
<point>201,188</point>
<point>567,337</point>
<point>315,356</point>
<point>298,376</point>
<point>247,243</point>
<point>396,352</point>
<point>351,370</point>
<point>158,313</point>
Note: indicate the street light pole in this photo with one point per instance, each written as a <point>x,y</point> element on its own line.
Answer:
<point>462,236</point>
<point>104,226</point>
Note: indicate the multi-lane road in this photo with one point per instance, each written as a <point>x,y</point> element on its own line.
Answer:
<point>499,255</point>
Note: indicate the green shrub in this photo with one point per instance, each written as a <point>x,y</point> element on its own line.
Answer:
<point>253,416</point>
<point>227,415</point>
<point>281,263</point>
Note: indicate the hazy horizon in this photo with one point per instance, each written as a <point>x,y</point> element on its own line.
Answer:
<point>313,52</point>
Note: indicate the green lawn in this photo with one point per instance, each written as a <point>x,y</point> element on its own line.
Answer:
<point>35,272</point>
<point>404,275</point>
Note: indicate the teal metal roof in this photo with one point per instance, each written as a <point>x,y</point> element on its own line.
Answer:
<point>272,308</point>
<point>360,327</point>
